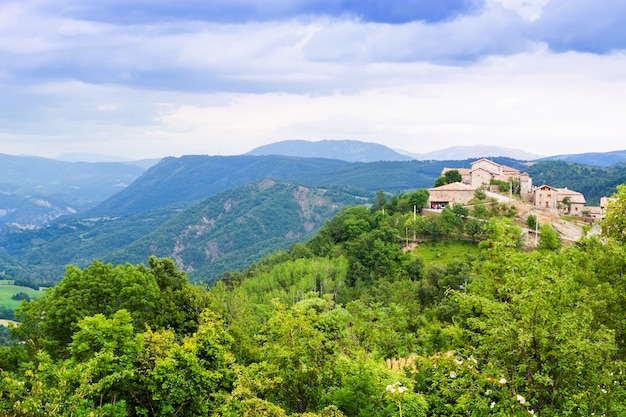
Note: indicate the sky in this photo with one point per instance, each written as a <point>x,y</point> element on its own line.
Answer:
<point>153,78</point>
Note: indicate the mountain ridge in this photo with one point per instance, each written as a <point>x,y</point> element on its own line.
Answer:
<point>346,150</point>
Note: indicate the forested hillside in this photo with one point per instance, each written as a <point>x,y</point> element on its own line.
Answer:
<point>223,232</point>
<point>354,322</point>
<point>34,191</point>
<point>593,182</point>
<point>194,177</point>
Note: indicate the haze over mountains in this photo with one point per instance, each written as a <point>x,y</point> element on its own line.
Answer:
<point>197,209</point>
<point>358,151</point>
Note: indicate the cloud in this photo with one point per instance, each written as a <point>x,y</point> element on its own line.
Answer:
<point>225,76</point>
<point>580,25</point>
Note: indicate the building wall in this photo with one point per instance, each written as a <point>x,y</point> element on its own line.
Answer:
<point>445,198</point>
<point>487,165</point>
<point>546,197</point>
<point>526,184</point>
<point>480,177</point>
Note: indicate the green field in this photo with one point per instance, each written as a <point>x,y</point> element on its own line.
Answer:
<point>8,290</point>
<point>444,252</point>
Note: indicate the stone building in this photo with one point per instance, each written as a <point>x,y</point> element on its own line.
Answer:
<point>484,170</point>
<point>450,194</point>
<point>562,199</point>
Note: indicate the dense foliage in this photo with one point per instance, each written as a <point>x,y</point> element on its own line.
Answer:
<point>350,323</point>
<point>226,231</point>
<point>593,182</point>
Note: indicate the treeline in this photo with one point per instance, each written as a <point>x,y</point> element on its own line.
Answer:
<point>349,323</point>
<point>593,182</point>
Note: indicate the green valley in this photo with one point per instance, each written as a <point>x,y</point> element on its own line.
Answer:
<point>474,320</point>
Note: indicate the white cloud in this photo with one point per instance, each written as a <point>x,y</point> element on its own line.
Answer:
<point>179,87</point>
<point>529,9</point>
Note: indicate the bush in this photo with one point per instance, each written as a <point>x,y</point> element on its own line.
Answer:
<point>21,296</point>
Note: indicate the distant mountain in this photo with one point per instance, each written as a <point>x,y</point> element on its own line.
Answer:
<point>89,157</point>
<point>475,152</point>
<point>346,150</point>
<point>194,177</point>
<point>94,157</point>
<point>35,190</point>
<point>224,232</point>
<point>600,159</point>
<point>237,227</point>
<point>176,181</point>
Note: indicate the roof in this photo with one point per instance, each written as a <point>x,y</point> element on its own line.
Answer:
<point>574,196</point>
<point>462,171</point>
<point>454,186</point>
<point>544,186</point>
<point>501,169</point>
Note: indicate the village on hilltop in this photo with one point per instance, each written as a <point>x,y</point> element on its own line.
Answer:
<point>484,173</point>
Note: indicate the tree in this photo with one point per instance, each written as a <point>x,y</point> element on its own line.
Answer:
<point>567,202</point>
<point>449,177</point>
<point>102,352</point>
<point>614,223</point>
<point>159,296</point>
<point>537,329</point>
<point>480,194</point>
<point>418,199</point>
<point>449,222</point>
<point>453,176</point>
<point>440,181</point>
<point>549,239</point>
<point>379,201</point>
<point>185,377</point>
<point>302,356</point>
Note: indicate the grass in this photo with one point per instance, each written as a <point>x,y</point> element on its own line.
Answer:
<point>8,290</point>
<point>445,251</point>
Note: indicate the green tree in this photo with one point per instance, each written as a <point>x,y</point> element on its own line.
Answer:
<point>379,201</point>
<point>158,295</point>
<point>302,354</point>
<point>537,329</point>
<point>183,378</point>
<point>440,181</point>
<point>453,176</point>
<point>102,353</point>
<point>549,239</point>
<point>418,199</point>
<point>50,321</point>
<point>614,223</point>
<point>480,194</point>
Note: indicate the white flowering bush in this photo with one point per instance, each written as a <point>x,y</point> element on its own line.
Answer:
<point>455,385</point>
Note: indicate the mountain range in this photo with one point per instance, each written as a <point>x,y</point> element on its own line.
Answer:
<point>358,151</point>
<point>212,213</point>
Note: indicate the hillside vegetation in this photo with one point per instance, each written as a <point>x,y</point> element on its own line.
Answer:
<point>34,191</point>
<point>227,231</point>
<point>594,182</point>
<point>351,322</point>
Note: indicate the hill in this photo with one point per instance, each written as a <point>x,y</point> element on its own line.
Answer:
<point>601,159</point>
<point>194,177</point>
<point>190,178</point>
<point>476,152</point>
<point>594,182</point>
<point>226,231</point>
<point>346,150</point>
<point>35,190</point>
<point>161,206</point>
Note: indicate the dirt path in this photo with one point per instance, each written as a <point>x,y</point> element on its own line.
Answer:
<point>569,230</point>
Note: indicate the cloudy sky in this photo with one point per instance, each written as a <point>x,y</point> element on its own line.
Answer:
<point>150,78</point>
